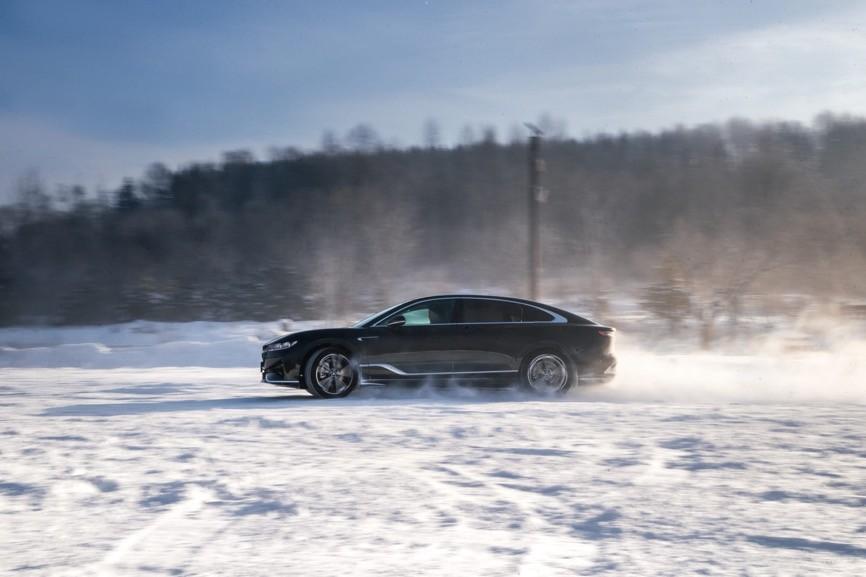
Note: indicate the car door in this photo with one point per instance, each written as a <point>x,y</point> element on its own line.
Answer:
<point>497,333</point>
<point>488,336</point>
<point>414,343</point>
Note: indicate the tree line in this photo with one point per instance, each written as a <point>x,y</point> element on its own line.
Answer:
<point>693,223</point>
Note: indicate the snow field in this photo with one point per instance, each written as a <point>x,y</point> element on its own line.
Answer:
<point>688,464</point>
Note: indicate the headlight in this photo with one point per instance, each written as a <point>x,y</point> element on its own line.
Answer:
<point>280,346</point>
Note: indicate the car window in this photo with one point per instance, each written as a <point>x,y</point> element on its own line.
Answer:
<point>494,311</point>
<point>534,315</point>
<point>490,311</point>
<point>435,312</point>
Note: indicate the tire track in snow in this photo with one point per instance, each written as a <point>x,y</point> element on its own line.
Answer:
<point>136,543</point>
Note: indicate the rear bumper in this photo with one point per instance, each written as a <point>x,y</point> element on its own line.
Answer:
<point>588,381</point>
<point>598,372</point>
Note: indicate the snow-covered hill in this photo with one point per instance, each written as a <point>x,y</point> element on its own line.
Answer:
<point>153,461</point>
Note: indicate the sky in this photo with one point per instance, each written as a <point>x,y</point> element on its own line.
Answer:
<point>95,90</point>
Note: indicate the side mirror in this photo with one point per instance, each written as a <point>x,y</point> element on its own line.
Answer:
<point>397,321</point>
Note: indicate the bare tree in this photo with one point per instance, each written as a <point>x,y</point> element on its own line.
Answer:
<point>467,136</point>
<point>363,138</point>
<point>432,134</point>
<point>330,142</point>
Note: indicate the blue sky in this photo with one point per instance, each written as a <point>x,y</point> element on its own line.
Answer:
<point>91,91</point>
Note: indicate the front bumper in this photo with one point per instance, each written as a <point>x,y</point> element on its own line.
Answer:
<point>281,368</point>
<point>277,379</point>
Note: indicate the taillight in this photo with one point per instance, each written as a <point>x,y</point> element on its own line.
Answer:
<point>609,345</point>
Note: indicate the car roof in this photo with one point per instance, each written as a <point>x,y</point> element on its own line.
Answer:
<point>568,315</point>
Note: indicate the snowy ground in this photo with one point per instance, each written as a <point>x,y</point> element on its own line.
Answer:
<point>688,464</point>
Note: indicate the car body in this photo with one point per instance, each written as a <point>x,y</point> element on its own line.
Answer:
<point>473,339</point>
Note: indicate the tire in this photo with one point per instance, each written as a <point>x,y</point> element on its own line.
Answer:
<point>547,373</point>
<point>329,373</point>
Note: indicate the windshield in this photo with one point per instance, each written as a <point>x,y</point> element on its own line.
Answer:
<point>366,320</point>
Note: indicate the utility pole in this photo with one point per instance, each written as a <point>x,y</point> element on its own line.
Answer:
<point>535,168</point>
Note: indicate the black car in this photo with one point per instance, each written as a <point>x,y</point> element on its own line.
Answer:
<point>481,340</point>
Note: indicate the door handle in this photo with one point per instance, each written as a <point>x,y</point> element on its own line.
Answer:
<point>367,338</point>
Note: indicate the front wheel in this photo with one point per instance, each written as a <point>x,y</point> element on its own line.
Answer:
<point>330,374</point>
<point>548,373</point>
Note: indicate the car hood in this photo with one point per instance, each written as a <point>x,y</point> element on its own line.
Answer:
<point>314,334</point>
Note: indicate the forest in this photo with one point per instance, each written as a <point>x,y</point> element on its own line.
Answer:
<point>707,222</point>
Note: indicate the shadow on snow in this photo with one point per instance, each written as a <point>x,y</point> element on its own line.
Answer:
<point>368,396</point>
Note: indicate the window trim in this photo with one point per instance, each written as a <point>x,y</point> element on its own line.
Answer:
<point>410,305</point>
<point>557,318</point>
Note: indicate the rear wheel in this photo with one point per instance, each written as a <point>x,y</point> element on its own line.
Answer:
<point>330,374</point>
<point>548,373</point>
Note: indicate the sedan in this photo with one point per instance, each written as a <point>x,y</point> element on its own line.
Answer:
<point>479,340</point>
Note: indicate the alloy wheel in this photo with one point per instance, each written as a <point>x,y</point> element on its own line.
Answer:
<point>334,373</point>
<point>547,373</point>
